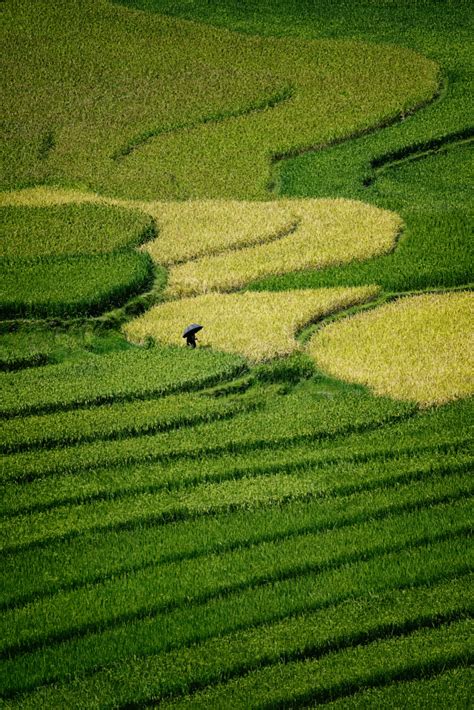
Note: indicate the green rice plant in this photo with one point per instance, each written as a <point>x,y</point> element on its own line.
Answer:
<point>66,230</point>
<point>30,344</point>
<point>115,421</point>
<point>237,612</point>
<point>170,585</point>
<point>128,536</point>
<point>317,633</point>
<point>79,260</point>
<point>318,680</point>
<point>414,348</point>
<point>258,326</point>
<point>134,536</point>
<point>76,285</point>
<point>125,375</point>
<point>211,498</point>
<point>104,100</point>
<point>124,481</point>
<point>435,432</point>
<point>296,417</point>
<point>452,688</point>
<point>18,349</point>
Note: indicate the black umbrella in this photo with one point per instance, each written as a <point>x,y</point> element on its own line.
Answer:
<point>192,329</point>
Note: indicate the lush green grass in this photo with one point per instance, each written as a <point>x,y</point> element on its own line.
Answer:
<point>98,116</point>
<point>65,230</point>
<point>130,374</point>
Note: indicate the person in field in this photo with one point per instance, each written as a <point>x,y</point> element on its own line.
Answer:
<point>191,340</point>
<point>190,334</point>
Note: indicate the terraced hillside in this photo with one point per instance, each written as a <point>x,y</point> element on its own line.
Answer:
<point>234,526</point>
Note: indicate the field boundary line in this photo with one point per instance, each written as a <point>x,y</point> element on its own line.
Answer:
<point>278,157</point>
<point>230,448</point>
<point>449,447</point>
<point>275,99</point>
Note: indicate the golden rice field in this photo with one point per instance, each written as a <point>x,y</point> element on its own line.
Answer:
<point>287,235</point>
<point>257,325</point>
<point>416,348</point>
<point>196,228</point>
<point>328,232</point>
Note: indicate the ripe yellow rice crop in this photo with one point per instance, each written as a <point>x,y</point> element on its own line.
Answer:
<point>329,232</point>
<point>417,348</point>
<point>259,325</point>
<point>197,227</point>
<point>288,234</point>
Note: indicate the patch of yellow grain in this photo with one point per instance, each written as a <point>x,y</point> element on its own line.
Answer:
<point>417,348</point>
<point>45,196</point>
<point>329,232</point>
<point>243,241</point>
<point>191,229</point>
<point>258,325</point>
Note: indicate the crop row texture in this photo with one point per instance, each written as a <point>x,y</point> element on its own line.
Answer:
<point>266,603</point>
<point>319,680</point>
<point>131,374</point>
<point>308,634</point>
<point>284,419</point>
<point>70,519</point>
<point>338,88</point>
<point>173,584</point>
<point>258,326</point>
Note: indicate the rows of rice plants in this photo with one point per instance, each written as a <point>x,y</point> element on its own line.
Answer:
<point>169,585</point>
<point>117,420</point>
<point>455,684</point>
<point>79,261</point>
<point>130,374</point>
<point>239,609</point>
<point>328,233</point>
<point>78,285</point>
<point>308,537</point>
<point>137,540</point>
<point>181,530</point>
<point>299,416</point>
<point>125,68</point>
<point>71,518</point>
<point>347,451</point>
<point>69,230</point>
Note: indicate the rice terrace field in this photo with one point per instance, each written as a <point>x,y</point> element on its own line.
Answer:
<point>281,517</point>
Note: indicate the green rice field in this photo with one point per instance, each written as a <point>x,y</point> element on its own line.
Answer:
<point>208,528</point>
